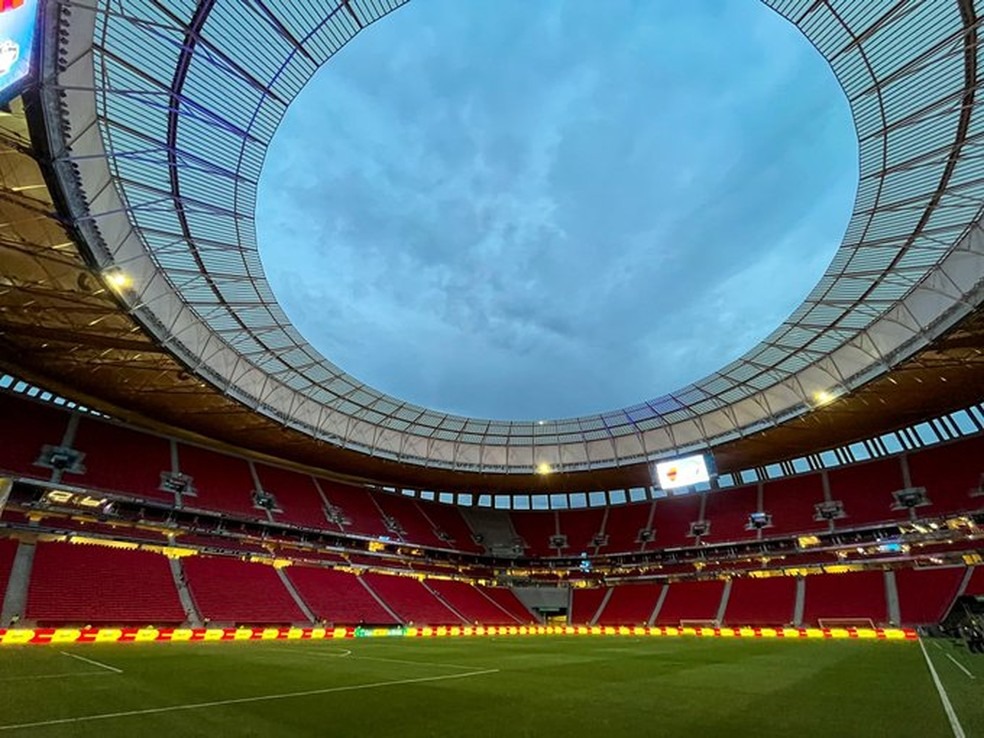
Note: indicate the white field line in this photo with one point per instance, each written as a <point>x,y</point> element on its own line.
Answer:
<point>92,662</point>
<point>241,700</point>
<point>960,666</point>
<point>63,675</point>
<point>958,731</point>
<point>349,654</point>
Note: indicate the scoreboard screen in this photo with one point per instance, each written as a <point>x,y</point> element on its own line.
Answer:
<point>18,28</point>
<point>685,472</point>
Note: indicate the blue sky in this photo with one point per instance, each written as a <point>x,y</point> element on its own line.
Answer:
<point>527,210</point>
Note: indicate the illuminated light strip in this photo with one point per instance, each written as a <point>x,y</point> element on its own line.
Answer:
<point>48,636</point>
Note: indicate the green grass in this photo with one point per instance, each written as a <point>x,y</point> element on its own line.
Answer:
<point>595,686</point>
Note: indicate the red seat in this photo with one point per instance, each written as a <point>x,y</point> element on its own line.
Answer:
<point>925,595</point>
<point>411,600</point>
<point>768,601</point>
<point>690,601</point>
<point>585,604</point>
<point>854,595</point>
<point>121,460</point>
<point>337,597</point>
<point>631,604</point>
<point>471,603</point>
<point>228,590</point>
<point>87,584</point>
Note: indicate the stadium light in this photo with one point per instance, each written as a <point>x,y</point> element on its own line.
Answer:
<point>118,279</point>
<point>822,398</point>
<point>544,468</point>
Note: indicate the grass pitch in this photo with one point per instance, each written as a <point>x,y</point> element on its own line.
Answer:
<point>510,687</point>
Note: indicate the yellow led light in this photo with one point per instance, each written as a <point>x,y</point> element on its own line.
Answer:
<point>543,468</point>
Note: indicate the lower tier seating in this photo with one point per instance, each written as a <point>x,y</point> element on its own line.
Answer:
<point>508,601</point>
<point>631,604</point>
<point>411,600</point>
<point>975,587</point>
<point>768,601</point>
<point>80,584</point>
<point>8,550</point>
<point>337,597</point>
<point>690,601</point>
<point>228,590</point>
<point>925,595</point>
<point>855,595</point>
<point>471,603</point>
<point>584,605</point>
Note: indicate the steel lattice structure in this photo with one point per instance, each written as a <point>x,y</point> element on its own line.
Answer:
<point>158,116</point>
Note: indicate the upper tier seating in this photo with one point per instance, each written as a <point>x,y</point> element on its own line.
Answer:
<point>623,525</point>
<point>727,512</point>
<point>357,507</point>
<point>508,601</point>
<point>37,424</point>
<point>690,601</point>
<point>768,601</point>
<point>411,600</point>
<point>859,594</point>
<point>337,597</point>
<point>297,497</point>
<point>536,529</point>
<point>79,584</point>
<point>672,521</point>
<point>925,595</point>
<point>469,601</point>
<point>222,483</point>
<point>416,528</point>
<point>119,459</point>
<point>631,604</point>
<point>447,519</point>
<point>949,473</point>
<point>585,604</point>
<point>791,502</point>
<point>866,491</point>
<point>232,591</point>
<point>581,527</point>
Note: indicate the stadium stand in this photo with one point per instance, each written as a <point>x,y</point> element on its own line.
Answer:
<point>975,586</point>
<point>791,502</point>
<point>950,473</point>
<point>580,528</point>
<point>222,483</point>
<point>414,526</point>
<point>672,521</point>
<point>690,601</point>
<point>357,507</point>
<point>470,603</point>
<point>536,529</point>
<point>925,595</point>
<point>8,550</point>
<point>228,590</point>
<point>850,596</point>
<point>298,501</point>
<point>122,460</point>
<point>866,491</point>
<point>585,604</point>
<point>728,511</point>
<point>631,604</point>
<point>79,584</point>
<point>411,600</point>
<point>447,520</point>
<point>37,424</point>
<point>767,601</point>
<point>623,525</point>
<point>507,600</point>
<point>337,597</point>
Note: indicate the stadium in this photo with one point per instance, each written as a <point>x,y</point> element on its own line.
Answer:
<point>791,544</point>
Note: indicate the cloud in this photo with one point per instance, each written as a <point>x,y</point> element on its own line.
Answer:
<point>520,210</point>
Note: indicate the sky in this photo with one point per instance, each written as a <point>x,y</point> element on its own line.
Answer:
<point>520,210</point>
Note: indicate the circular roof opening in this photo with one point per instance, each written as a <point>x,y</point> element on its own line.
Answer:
<point>525,211</point>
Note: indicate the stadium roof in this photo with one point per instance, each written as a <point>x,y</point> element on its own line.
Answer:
<point>157,117</point>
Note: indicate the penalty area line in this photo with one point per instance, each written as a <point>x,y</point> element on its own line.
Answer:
<point>242,700</point>
<point>92,662</point>
<point>958,731</point>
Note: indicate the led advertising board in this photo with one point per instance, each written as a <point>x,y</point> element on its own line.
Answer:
<point>18,30</point>
<point>685,472</point>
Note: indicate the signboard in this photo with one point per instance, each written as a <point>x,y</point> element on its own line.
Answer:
<point>685,472</point>
<point>18,31</point>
